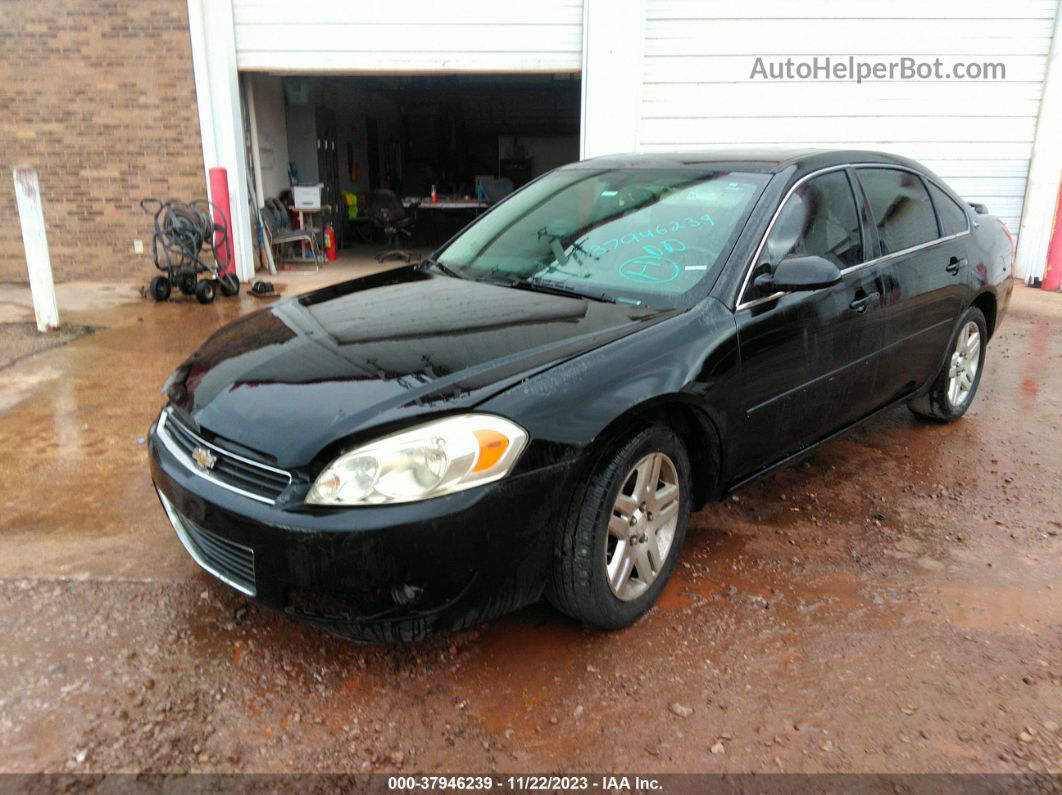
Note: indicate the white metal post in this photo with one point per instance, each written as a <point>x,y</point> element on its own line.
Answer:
<point>220,119</point>
<point>35,240</point>
<point>1045,170</point>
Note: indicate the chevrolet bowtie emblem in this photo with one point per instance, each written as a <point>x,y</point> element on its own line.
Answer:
<point>204,458</point>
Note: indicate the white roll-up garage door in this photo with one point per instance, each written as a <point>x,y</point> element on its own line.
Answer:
<point>977,134</point>
<point>339,36</point>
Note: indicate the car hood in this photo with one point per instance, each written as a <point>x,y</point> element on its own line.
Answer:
<point>289,380</point>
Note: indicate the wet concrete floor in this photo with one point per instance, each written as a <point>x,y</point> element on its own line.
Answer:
<point>890,604</point>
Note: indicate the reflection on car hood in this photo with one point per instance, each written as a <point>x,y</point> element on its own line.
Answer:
<point>290,379</point>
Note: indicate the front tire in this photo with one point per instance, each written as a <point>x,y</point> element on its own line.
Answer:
<point>956,384</point>
<point>623,532</point>
<point>160,288</point>
<point>205,291</point>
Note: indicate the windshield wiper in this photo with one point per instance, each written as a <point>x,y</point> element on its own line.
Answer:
<point>428,262</point>
<point>558,288</point>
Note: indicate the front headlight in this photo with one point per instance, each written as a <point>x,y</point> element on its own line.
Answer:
<point>433,459</point>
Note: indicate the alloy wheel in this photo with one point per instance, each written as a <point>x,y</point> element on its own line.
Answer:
<point>965,360</point>
<point>641,528</point>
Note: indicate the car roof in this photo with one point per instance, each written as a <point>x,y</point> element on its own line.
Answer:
<point>766,160</point>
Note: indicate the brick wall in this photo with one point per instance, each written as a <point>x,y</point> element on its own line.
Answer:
<point>100,97</point>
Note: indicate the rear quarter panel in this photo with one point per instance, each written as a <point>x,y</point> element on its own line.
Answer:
<point>992,261</point>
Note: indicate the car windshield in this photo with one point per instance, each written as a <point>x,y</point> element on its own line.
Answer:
<point>631,235</point>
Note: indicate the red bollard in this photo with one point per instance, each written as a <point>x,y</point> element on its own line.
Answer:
<point>1053,269</point>
<point>219,198</point>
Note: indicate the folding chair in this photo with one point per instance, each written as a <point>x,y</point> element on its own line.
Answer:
<point>280,234</point>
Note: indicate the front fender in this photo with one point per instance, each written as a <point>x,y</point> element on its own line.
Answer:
<point>692,357</point>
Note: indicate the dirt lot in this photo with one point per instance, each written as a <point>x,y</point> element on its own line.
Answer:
<point>891,604</point>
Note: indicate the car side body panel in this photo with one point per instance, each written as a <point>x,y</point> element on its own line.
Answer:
<point>809,365</point>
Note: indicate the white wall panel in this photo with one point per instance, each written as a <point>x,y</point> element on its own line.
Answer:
<point>852,9</point>
<point>836,130</point>
<point>916,37</point>
<point>612,76</point>
<point>408,36</point>
<point>698,91</point>
<point>717,100</point>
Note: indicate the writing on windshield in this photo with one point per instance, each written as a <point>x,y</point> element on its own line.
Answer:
<point>627,233</point>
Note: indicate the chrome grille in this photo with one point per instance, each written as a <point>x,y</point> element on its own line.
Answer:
<point>235,472</point>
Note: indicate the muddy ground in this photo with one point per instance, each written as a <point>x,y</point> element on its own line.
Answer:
<point>21,340</point>
<point>890,604</point>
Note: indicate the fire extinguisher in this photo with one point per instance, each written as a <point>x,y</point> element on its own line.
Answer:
<point>330,243</point>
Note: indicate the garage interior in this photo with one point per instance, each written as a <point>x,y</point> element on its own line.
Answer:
<point>473,138</point>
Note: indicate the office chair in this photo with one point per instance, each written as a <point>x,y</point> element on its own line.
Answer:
<point>497,189</point>
<point>389,216</point>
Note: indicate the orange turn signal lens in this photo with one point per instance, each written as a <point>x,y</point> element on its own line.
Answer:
<point>492,446</point>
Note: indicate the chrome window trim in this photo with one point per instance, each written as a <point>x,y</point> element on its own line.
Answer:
<point>761,300</point>
<point>186,542</point>
<point>845,271</point>
<point>919,247</point>
<point>961,205</point>
<point>181,456</point>
<point>763,240</point>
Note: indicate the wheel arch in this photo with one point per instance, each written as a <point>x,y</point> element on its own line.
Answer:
<point>691,422</point>
<point>986,301</point>
<point>989,306</point>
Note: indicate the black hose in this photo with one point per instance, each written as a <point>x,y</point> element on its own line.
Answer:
<point>183,231</point>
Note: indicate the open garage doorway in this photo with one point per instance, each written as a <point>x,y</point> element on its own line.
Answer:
<point>470,138</point>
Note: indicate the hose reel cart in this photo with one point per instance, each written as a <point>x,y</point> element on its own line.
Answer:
<point>187,239</point>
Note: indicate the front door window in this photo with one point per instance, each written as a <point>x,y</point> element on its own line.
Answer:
<point>819,219</point>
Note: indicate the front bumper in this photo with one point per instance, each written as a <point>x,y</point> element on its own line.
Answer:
<point>435,565</point>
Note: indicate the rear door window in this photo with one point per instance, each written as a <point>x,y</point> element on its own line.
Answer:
<point>900,205</point>
<point>953,218</point>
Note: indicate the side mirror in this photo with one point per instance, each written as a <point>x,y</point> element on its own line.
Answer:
<point>795,274</point>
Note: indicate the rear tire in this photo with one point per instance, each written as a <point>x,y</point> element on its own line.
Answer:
<point>205,291</point>
<point>610,528</point>
<point>230,285</point>
<point>186,283</point>
<point>955,386</point>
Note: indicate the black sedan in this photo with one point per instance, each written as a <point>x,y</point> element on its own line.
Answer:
<point>536,409</point>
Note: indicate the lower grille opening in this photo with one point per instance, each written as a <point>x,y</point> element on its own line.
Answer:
<point>230,562</point>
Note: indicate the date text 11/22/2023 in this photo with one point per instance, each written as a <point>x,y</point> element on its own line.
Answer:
<point>533,783</point>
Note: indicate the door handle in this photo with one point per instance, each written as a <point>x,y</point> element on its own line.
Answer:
<point>955,265</point>
<point>860,305</point>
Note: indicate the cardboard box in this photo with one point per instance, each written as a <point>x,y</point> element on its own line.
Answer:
<point>307,197</point>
